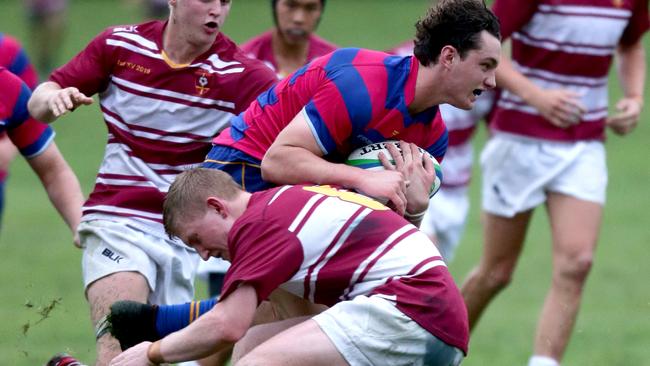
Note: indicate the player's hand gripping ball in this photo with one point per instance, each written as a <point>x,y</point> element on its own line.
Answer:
<point>367,157</point>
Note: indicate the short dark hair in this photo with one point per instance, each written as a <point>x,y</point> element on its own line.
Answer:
<point>457,23</point>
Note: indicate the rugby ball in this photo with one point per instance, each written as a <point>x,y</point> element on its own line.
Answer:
<point>367,157</point>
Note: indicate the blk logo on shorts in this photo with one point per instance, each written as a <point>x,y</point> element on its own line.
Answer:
<point>112,255</point>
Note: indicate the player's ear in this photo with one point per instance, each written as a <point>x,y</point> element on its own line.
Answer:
<point>218,205</point>
<point>447,55</point>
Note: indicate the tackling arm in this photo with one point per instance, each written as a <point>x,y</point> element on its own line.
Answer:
<point>225,324</point>
<point>61,185</point>
<point>295,157</point>
<point>49,101</point>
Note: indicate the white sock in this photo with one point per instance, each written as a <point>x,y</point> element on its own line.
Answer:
<point>542,361</point>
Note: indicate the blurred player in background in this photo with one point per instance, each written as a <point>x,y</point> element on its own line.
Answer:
<point>292,42</point>
<point>286,237</point>
<point>547,147</point>
<point>347,99</point>
<point>166,88</point>
<point>47,25</point>
<point>285,48</point>
<point>35,141</point>
<point>14,58</point>
<point>446,216</point>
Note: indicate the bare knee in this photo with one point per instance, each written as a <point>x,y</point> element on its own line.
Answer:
<point>497,277</point>
<point>573,269</point>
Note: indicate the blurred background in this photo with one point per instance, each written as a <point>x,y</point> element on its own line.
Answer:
<point>42,305</point>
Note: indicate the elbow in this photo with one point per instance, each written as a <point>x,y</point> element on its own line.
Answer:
<point>269,167</point>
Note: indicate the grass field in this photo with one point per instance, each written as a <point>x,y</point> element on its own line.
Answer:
<point>43,311</point>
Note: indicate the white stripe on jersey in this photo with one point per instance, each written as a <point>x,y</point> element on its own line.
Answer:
<point>586,10</point>
<point>216,65</point>
<point>301,215</point>
<point>335,248</point>
<point>366,262</point>
<point>324,223</point>
<point>562,30</point>
<point>151,135</point>
<point>121,210</point>
<point>133,48</point>
<point>138,39</point>
<point>401,259</point>
<point>172,94</point>
<point>278,193</point>
<point>510,104</point>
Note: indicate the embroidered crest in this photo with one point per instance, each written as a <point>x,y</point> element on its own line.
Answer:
<point>202,82</point>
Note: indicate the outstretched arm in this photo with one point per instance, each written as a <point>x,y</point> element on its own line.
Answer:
<point>631,68</point>
<point>225,324</point>
<point>49,101</point>
<point>61,185</point>
<point>295,157</point>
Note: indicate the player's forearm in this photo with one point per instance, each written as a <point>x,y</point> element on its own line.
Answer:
<point>510,79</point>
<point>38,104</point>
<point>631,68</point>
<point>61,185</point>
<point>294,165</point>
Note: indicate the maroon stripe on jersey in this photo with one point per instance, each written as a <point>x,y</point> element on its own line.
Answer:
<point>172,99</point>
<point>561,62</point>
<point>416,268</point>
<point>460,136</point>
<point>337,273</point>
<point>520,123</point>
<point>330,247</point>
<point>155,131</point>
<point>160,152</point>
<point>308,215</point>
<point>377,258</point>
<point>145,199</point>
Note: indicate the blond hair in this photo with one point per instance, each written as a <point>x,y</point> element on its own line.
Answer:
<point>188,195</point>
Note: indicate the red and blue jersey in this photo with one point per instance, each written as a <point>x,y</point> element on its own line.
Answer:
<point>350,98</point>
<point>30,136</point>
<point>14,58</point>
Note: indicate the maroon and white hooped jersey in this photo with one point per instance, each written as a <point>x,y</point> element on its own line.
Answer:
<point>328,245</point>
<point>565,44</point>
<point>160,116</point>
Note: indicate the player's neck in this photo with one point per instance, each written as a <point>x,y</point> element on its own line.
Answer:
<point>428,91</point>
<point>289,57</point>
<point>180,50</point>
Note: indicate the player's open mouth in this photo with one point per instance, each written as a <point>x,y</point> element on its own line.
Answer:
<point>297,32</point>
<point>477,92</point>
<point>212,25</point>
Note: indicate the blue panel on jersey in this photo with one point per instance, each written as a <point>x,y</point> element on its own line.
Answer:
<point>40,144</point>
<point>298,73</point>
<point>238,127</point>
<point>267,98</point>
<point>351,86</point>
<point>440,147</point>
<point>398,68</point>
<point>19,64</point>
<point>319,130</point>
<point>20,113</point>
<point>427,115</point>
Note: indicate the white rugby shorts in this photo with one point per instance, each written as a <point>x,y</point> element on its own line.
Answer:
<point>446,218</point>
<point>518,172</point>
<point>111,247</point>
<point>372,331</point>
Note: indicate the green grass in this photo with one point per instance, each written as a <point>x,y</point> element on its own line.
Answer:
<point>40,265</point>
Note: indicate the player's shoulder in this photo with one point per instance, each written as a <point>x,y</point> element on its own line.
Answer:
<point>226,53</point>
<point>320,45</point>
<point>147,30</point>
<point>260,41</point>
<point>8,42</point>
<point>9,80</point>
